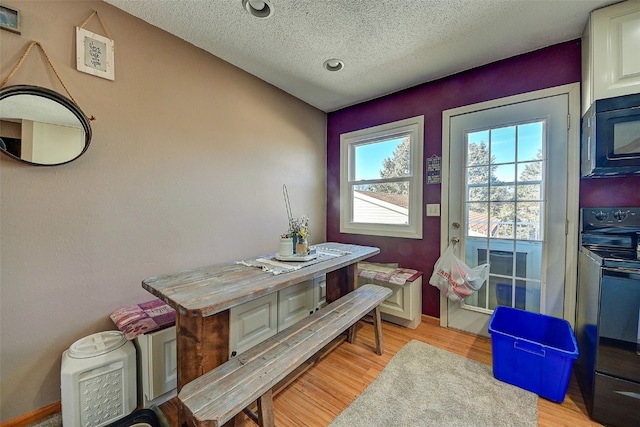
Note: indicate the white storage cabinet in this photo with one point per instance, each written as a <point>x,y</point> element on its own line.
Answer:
<point>404,306</point>
<point>158,366</point>
<point>611,53</point>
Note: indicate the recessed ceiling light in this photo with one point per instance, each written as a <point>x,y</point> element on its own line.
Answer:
<point>258,8</point>
<point>333,64</point>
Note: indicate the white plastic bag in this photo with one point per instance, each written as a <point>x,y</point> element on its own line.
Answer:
<point>454,278</point>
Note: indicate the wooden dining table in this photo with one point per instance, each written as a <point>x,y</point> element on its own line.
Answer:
<point>202,298</point>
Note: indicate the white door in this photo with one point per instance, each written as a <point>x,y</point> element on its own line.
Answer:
<point>507,192</point>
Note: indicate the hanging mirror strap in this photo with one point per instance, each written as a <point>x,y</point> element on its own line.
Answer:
<point>24,56</point>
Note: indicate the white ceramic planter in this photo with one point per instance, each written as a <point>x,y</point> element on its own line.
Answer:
<point>286,246</point>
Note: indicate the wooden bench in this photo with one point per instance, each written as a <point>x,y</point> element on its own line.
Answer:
<point>220,395</point>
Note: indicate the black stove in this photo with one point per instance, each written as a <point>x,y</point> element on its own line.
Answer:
<point>608,314</point>
<point>615,258</point>
<point>612,234</point>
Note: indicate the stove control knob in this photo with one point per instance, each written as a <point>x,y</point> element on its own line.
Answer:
<point>601,215</point>
<point>620,215</point>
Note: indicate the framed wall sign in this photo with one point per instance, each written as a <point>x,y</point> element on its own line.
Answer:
<point>94,54</point>
<point>434,168</point>
<point>9,19</point>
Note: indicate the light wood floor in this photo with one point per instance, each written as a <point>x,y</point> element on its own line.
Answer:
<point>329,386</point>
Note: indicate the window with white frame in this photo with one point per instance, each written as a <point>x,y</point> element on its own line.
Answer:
<point>381,179</point>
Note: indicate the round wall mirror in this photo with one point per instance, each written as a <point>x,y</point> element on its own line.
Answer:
<point>41,127</point>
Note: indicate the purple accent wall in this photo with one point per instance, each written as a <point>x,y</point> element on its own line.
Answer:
<point>552,66</point>
<point>610,192</point>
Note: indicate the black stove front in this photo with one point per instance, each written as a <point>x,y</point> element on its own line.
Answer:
<point>608,314</point>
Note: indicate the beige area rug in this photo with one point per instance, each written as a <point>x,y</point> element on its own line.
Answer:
<point>423,385</point>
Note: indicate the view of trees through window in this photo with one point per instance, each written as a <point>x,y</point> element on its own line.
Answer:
<point>504,170</point>
<point>395,166</point>
<point>384,181</point>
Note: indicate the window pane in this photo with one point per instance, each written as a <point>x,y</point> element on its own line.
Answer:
<point>530,171</point>
<point>478,175</point>
<point>502,220</point>
<point>477,193</point>
<point>530,181</point>
<point>503,144</point>
<point>532,295</point>
<point>478,148</point>
<point>493,285</point>
<point>381,205</point>
<point>529,220</point>
<point>502,179</point>
<point>500,258</point>
<point>502,192</point>
<point>503,173</point>
<point>478,219</point>
<point>383,159</point>
<point>529,192</point>
<point>532,269</point>
<point>530,141</point>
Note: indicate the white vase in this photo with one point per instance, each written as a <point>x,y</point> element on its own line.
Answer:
<point>286,246</point>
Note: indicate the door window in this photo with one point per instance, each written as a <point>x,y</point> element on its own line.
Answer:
<point>504,205</point>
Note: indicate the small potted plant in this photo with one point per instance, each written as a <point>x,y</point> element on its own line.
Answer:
<point>299,227</point>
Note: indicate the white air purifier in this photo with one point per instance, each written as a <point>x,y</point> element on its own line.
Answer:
<point>98,380</point>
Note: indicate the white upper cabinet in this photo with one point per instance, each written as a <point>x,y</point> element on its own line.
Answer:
<point>611,53</point>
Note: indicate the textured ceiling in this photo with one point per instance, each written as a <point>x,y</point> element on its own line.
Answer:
<point>386,45</point>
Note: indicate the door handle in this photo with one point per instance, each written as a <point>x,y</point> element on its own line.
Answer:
<point>455,240</point>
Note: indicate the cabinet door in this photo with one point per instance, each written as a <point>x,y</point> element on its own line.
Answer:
<point>252,323</point>
<point>320,291</point>
<point>163,363</point>
<point>616,55</point>
<point>399,303</point>
<point>294,304</point>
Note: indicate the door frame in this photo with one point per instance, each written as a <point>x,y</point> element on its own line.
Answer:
<point>573,184</point>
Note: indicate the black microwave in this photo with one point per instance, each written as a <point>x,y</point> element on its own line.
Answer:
<point>611,137</point>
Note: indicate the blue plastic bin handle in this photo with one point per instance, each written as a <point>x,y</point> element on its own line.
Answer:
<point>529,348</point>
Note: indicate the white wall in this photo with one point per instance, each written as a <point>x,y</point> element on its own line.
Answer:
<point>185,169</point>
